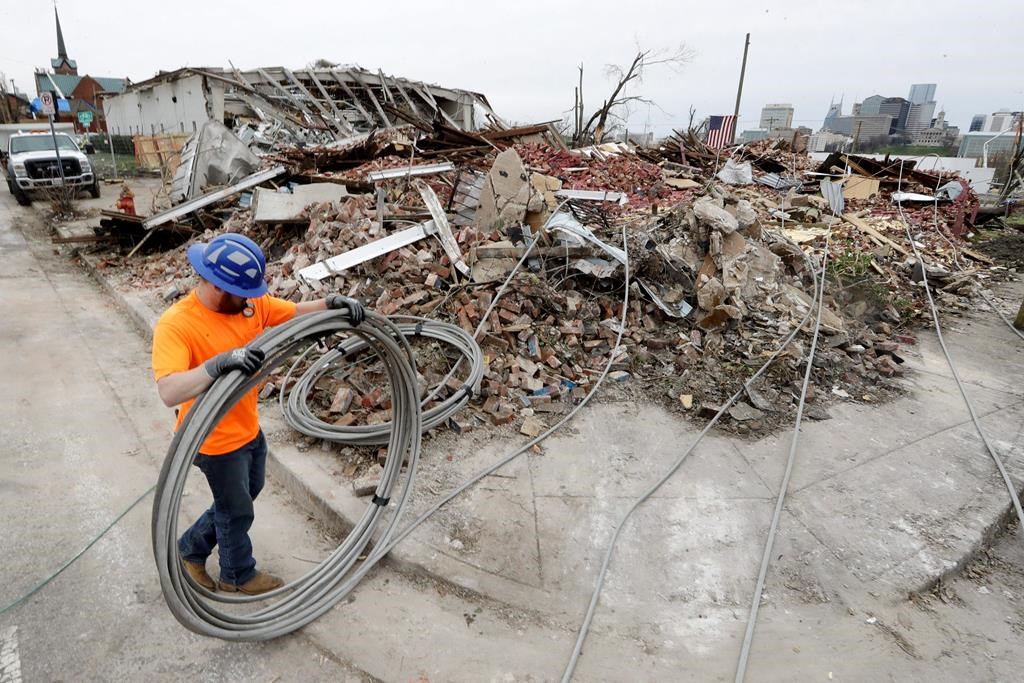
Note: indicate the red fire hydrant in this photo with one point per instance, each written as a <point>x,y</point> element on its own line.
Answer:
<point>126,202</point>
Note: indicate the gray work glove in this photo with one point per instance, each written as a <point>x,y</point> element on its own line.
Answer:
<point>356,312</point>
<point>243,358</point>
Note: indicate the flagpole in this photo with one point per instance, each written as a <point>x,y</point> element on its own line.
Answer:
<point>739,91</point>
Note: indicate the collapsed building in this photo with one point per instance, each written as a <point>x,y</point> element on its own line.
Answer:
<point>323,103</point>
<point>409,198</point>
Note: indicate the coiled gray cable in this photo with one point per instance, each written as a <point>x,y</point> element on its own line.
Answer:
<point>296,407</point>
<point>301,601</point>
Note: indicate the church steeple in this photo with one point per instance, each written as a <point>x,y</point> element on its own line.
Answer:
<point>62,52</point>
<point>62,64</point>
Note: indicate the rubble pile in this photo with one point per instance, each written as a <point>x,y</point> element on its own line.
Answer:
<point>722,249</point>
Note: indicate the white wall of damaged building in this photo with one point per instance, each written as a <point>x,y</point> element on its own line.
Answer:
<point>178,105</point>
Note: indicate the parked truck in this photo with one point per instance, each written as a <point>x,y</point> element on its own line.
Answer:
<point>32,165</point>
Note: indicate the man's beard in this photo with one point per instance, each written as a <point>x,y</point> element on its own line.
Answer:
<point>233,305</point>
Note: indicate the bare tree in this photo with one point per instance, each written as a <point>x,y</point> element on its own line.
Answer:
<point>594,128</point>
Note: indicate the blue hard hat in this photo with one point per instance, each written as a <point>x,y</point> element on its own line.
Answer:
<point>232,262</point>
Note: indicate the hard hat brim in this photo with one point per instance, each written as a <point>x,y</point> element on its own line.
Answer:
<point>195,257</point>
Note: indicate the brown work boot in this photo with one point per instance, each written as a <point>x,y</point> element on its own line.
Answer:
<point>257,585</point>
<point>198,573</point>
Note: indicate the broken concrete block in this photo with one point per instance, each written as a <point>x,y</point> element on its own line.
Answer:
<point>742,412</point>
<point>745,214</point>
<point>714,216</point>
<point>710,294</point>
<point>506,193</point>
<point>270,206</point>
<point>531,427</point>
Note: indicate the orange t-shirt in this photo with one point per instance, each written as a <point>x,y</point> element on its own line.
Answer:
<point>189,334</point>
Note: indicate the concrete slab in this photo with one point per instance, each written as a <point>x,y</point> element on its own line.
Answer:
<point>270,206</point>
<point>858,433</point>
<point>986,353</point>
<point>938,494</point>
<point>588,460</point>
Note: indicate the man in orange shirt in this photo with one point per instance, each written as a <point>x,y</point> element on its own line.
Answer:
<point>197,340</point>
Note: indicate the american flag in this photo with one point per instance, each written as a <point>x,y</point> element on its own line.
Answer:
<point>720,129</point>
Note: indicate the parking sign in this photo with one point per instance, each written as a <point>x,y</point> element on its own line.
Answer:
<point>46,99</point>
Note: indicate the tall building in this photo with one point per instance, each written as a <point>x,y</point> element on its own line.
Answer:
<point>776,116</point>
<point>835,110</point>
<point>870,106</point>
<point>899,109</point>
<point>977,123</point>
<point>921,93</point>
<point>866,127</point>
<point>922,108</point>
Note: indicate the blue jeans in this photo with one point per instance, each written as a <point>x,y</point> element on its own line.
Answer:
<point>235,479</point>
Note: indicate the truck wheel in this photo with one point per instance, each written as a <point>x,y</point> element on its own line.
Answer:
<point>22,197</point>
<point>94,190</point>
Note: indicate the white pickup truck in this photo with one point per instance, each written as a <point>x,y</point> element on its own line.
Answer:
<point>32,165</point>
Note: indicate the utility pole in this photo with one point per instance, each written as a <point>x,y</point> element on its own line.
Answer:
<point>739,90</point>
<point>856,136</point>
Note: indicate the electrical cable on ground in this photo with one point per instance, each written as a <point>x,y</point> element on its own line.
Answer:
<point>949,361</point>
<point>39,586</point>
<point>299,415</point>
<point>995,307</point>
<point>599,584</point>
<point>748,636</point>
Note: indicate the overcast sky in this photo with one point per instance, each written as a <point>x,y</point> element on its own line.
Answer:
<point>523,55</point>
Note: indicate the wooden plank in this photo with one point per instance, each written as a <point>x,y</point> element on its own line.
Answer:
<point>353,257</point>
<point>79,239</point>
<point>451,247</point>
<point>977,256</point>
<point>871,232</point>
